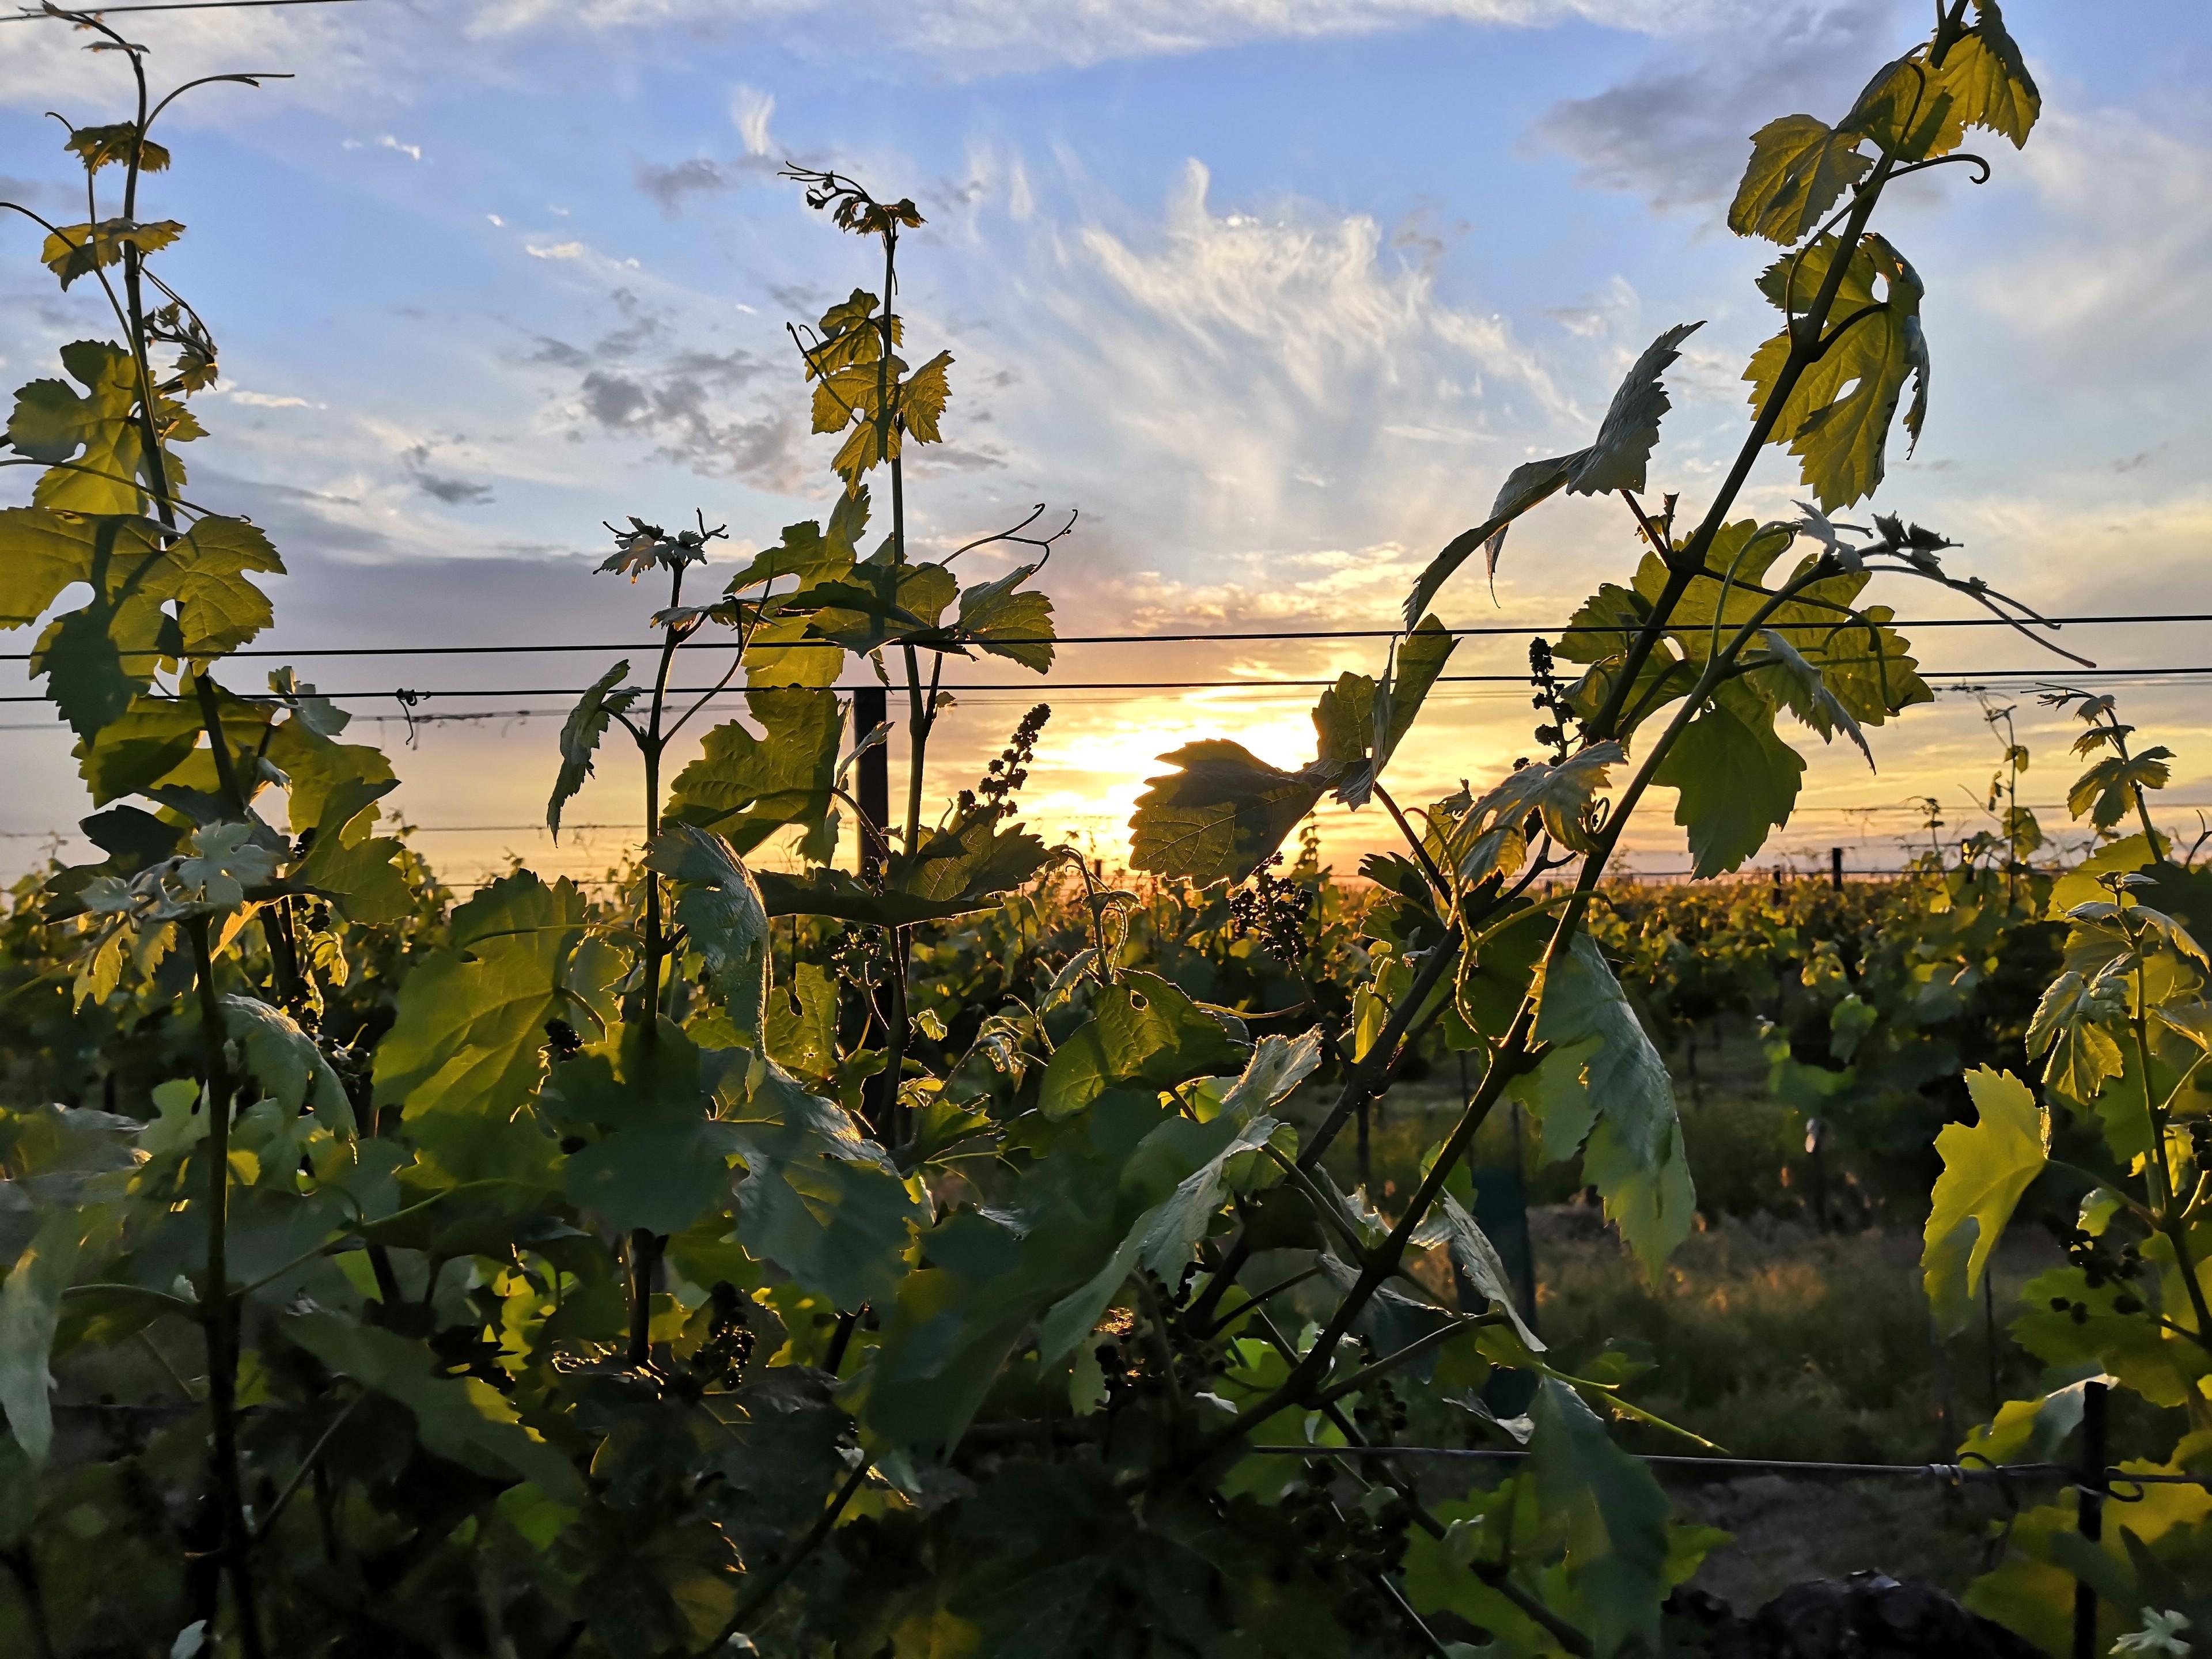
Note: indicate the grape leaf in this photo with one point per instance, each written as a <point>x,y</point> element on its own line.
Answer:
<point>1906,111</point>
<point>463,1418</point>
<point>723,919</point>
<point>1986,1167</point>
<point>76,251</point>
<point>802,1024</point>
<point>30,1308</point>
<point>1391,708</point>
<point>1809,697</point>
<point>2069,1021</point>
<point>356,870</point>
<point>1616,460</point>
<point>1799,166</point>
<point>808,553</point>
<point>822,1203</point>
<point>471,1018</point>
<point>881,603</point>
<point>1143,1032</point>
<point>218,609</point>
<point>747,787</point>
<point>1837,417</point>
<point>96,428</point>
<point>1489,833</point>
<point>99,659</point>
<point>967,865</point>
<point>2106,791</point>
<point>1230,1154</point>
<point>317,768</point>
<point>991,1276</point>
<point>661,1158</point>
<point>1220,815</point>
<point>285,1061</point>
<point>114,144</point>
<point>580,733</point>
<point>1009,621</point>
<point>785,651</point>
<point>1737,782</point>
<point>1613,1515</point>
<point>96,661</point>
<point>2029,1430</point>
<point>1477,1258</point>
<point>1987,80</point>
<point>1604,1084</point>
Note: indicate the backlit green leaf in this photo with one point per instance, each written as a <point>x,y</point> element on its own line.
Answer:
<point>1219,815</point>
<point>2070,1022</point>
<point>1987,1166</point>
<point>76,251</point>
<point>217,609</point>
<point>116,145</point>
<point>822,1202</point>
<point>1737,782</point>
<point>2106,793</point>
<point>747,787</point>
<point>1604,1082</point>
<point>1838,415</point>
<point>471,1018</point>
<point>1008,620</point>
<point>1615,461</point>
<point>1799,166</point>
<point>284,1060</point>
<point>1144,1033</point>
<point>1987,79</point>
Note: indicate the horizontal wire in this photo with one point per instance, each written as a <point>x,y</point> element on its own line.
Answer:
<point>1951,1472</point>
<point>1261,682</point>
<point>1492,630</point>
<point>29,16</point>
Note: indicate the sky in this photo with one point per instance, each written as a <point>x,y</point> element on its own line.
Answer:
<point>1274,292</point>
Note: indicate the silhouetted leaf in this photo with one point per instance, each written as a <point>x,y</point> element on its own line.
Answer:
<point>1220,816</point>
<point>580,733</point>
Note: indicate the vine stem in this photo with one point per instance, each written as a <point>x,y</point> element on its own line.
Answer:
<point>645,1246</point>
<point>893,1117</point>
<point>218,1318</point>
<point>780,1574</point>
<point>2171,1222</point>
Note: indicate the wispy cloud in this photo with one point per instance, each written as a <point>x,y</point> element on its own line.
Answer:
<point>750,109</point>
<point>351,56</point>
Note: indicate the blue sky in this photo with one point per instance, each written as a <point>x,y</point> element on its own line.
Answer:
<point>1274,290</point>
